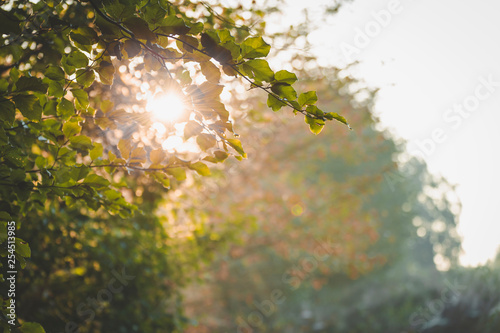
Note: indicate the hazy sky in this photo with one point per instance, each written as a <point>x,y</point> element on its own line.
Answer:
<point>437,64</point>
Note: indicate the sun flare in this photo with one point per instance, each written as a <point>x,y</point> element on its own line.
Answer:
<point>167,107</point>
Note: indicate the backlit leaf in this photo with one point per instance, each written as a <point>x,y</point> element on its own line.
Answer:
<point>211,72</point>
<point>54,73</point>
<point>82,98</point>
<point>308,98</point>
<point>157,156</point>
<point>8,110</point>
<point>285,77</point>
<point>140,28</point>
<point>274,103</point>
<point>206,141</point>
<point>65,108</point>
<point>106,72</point>
<point>192,128</point>
<point>77,59</point>
<point>29,106</point>
<point>132,48</point>
<point>71,128</point>
<point>284,90</point>
<point>200,168</point>
<point>254,47</point>
<point>124,147</point>
<point>315,125</point>
<point>236,144</point>
<point>178,173</point>
<point>138,155</point>
<point>259,69</point>
<point>85,77</point>
<point>96,152</point>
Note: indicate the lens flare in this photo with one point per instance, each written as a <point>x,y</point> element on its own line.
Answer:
<point>167,107</point>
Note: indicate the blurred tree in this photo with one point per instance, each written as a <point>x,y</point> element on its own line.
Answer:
<point>341,235</point>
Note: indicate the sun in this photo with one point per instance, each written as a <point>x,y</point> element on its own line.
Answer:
<point>167,107</point>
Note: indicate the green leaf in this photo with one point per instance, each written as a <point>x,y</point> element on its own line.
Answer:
<point>26,83</point>
<point>196,28</point>
<point>118,10</point>
<point>80,39</point>
<point>285,77</point>
<point>140,28</point>
<point>29,106</point>
<point>3,137</point>
<point>308,98</point>
<point>161,178</point>
<point>284,90</point>
<point>4,216</point>
<point>50,108</point>
<point>77,59</point>
<point>200,168</point>
<point>65,108</point>
<point>14,74</point>
<point>336,116</point>
<point>4,85</point>
<point>315,125</point>
<point>81,142</point>
<point>7,111</point>
<point>54,73</point>
<point>254,47</point>
<point>259,69</point>
<point>96,152</point>
<point>9,23</point>
<point>178,173</point>
<point>55,89</point>
<point>31,328</point>
<point>71,128</point>
<point>174,25</point>
<point>96,181</point>
<point>107,106</point>
<point>82,98</point>
<point>85,77</point>
<point>274,103</point>
<point>84,35</point>
<point>106,72</point>
<point>236,144</point>
<point>22,248</point>
<point>153,12</point>
<point>219,156</point>
<point>314,110</point>
<point>79,173</point>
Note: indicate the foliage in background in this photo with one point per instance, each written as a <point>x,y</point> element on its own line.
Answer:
<point>377,225</point>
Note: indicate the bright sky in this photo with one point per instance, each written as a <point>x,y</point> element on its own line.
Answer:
<point>437,64</point>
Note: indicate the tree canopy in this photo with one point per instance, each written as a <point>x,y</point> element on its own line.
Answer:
<point>78,81</point>
<point>113,113</point>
